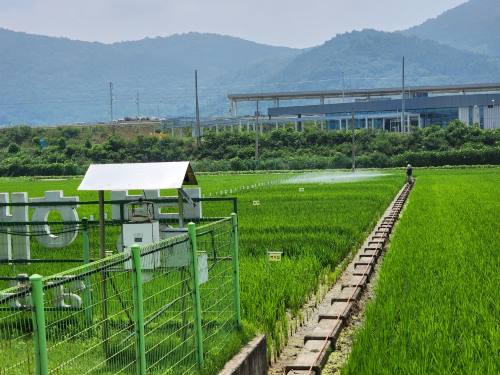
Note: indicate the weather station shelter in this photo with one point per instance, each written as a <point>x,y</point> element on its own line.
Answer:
<point>155,297</point>
<point>147,177</point>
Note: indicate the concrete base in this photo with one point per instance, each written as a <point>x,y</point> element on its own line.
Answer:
<point>338,310</point>
<point>356,281</point>
<point>365,261</point>
<point>362,271</point>
<point>348,294</point>
<point>327,329</point>
<point>313,356</point>
<point>370,253</point>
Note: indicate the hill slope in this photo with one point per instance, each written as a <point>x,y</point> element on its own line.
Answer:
<point>47,79</point>
<point>473,26</point>
<point>54,80</point>
<point>373,59</point>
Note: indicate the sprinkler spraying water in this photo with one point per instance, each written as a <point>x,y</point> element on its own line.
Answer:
<point>332,177</point>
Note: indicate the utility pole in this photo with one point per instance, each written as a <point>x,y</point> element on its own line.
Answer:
<point>111,102</point>
<point>353,145</point>
<point>403,98</point>
<point>343,87</point>
<point>137,103</point>
<point>257,133</point>
<point>198,128</point>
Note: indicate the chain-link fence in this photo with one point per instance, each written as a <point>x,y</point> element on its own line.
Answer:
<point>218,302</point>
<point>161,308</point>
<point>35,239</point>
<point>54,245</point>
<point>16,330</point>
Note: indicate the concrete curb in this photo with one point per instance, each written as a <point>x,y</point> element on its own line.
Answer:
<point>251,359</point>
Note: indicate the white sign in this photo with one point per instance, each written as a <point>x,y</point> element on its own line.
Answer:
<point>63,296</point>
<point>16,226</point>
<point>68,214</point>
<point>15,238</point>
<point>14,247</point>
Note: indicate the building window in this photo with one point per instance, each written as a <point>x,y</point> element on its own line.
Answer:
<point>439,116</point>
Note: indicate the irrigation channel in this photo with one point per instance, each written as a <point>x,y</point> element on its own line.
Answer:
<point>319,339</point>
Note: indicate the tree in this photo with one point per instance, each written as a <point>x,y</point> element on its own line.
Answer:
<point>61,143</point>
<point>13,148</point>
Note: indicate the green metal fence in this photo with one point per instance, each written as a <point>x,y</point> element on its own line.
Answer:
<point>16,330</point>
<point>49,260</point>
<point>158,309</point>
<point>53,260</point>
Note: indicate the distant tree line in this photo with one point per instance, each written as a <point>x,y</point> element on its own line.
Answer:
<point>26,151</point>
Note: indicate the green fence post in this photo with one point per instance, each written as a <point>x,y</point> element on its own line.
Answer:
<point>38,316</point>
<point>236,268</point>
<point>140,347</point>
<point>87,294</point>
<point>196,293</point>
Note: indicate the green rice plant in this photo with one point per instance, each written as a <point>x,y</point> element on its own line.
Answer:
<point>314,229</point>
<point>436,308</point>
<point>314,225</point>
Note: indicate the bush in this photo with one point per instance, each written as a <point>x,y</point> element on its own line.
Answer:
<point>69,149</point>
<point>13,148</point>
<point>453,157</point>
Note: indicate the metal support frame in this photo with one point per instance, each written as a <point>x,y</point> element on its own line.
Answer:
<point>104,275</point>
<point>140,346</point>
<point>353,140</point>
<point>257,114</point>
<point>87,294</point>
<point>38,317</point>
<point>180,204</point>
<point>196,294</point>
<point>236,268</point>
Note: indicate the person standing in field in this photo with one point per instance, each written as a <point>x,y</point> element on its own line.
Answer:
<point>409,173</point>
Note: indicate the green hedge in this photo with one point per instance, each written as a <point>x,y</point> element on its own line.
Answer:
<point>69,151</point>
<point>454,157</point>
<point>489,156</point>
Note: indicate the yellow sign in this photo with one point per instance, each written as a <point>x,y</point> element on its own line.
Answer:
<point>274,256</point>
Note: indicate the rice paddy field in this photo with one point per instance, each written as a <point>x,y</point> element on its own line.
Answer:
<point>436,308</point>
<point>315,229</point>
<point>437,302</point>
<point>315,221</point>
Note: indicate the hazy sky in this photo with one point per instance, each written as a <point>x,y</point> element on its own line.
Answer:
<point>295,23</point>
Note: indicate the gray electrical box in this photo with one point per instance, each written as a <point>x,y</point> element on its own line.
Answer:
<point>142,234</point>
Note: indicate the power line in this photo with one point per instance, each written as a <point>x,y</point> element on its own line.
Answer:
<point>402,127</point>
<point>343,87</point>
<point>111,102</point>
<point>198,128</point>
<point>138,105</point>
<point>257,131</point>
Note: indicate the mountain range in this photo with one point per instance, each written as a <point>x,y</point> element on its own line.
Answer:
<point>473,26</point>
<point>47,80</point>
